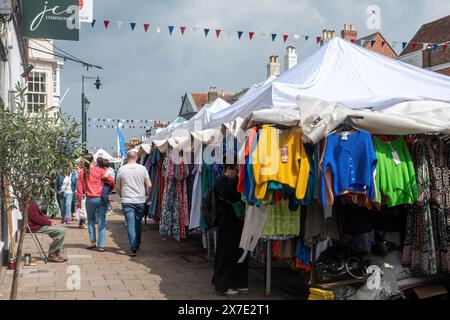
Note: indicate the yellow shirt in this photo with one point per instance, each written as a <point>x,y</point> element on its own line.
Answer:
<point>281,158</point>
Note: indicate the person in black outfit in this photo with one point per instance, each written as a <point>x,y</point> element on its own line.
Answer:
<point>230,277</point>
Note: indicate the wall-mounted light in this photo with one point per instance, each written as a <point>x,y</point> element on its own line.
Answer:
<point>28,69</point>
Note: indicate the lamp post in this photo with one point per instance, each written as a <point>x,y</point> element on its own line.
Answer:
<point>84,107</point>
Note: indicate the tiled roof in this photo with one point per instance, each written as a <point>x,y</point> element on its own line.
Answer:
<point>200,99</point>
<point>433,32</point>
<point>381,50</point>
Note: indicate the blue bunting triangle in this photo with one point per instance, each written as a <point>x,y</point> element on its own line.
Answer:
<point>240,34</point>
<point>206,32</point>
<point>132,25</point>
<point>93,23</point>
<point>372,43</point>
<point>274,35</point>
<point>171,29</point>
<point>404,44</point>
<point>306,38</point>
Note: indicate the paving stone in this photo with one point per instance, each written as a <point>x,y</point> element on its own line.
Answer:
<point>112,294</point>
<point>159,272</point>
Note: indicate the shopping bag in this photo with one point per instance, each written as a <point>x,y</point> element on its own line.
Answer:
<point>81,214</point>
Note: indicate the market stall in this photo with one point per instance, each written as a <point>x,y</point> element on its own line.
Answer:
<point>390,118</point>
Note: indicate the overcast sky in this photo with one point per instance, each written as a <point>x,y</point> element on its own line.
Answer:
<point>145,74</point>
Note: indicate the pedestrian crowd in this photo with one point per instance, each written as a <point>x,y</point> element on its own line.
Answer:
<point>82,194</point>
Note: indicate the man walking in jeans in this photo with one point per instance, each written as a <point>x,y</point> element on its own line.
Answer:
<point>133,186</point>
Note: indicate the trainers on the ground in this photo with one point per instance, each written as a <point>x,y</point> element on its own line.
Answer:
<point>133,253</point>
<point>229,292</point>
<point>242,290</point>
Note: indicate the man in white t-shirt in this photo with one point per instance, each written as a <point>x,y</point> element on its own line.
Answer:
<point>133,186</point>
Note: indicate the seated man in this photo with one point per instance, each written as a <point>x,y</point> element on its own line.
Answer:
<point>41,224</point>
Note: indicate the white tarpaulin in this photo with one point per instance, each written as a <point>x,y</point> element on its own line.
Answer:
<point>197,123</point>
<point>102,153</point>
<point>345,73</point>
<point>319,118</point>
<point>165,133</point>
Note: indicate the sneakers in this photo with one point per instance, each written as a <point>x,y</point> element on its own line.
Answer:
<point>229,292</point>
<point>243,290</point>
<point>133,253</point>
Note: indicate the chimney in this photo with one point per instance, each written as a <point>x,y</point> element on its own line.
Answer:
<point>327,35</point>
<point>290,59</point>
<point>273,67</point>
<point>212,94</point>
<point>349,33</point>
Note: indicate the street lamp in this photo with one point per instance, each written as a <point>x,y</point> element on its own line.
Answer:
<point>84,107</point>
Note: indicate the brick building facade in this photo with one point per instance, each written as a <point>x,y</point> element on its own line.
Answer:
<point>418,53</point>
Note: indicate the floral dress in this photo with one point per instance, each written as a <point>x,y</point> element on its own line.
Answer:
<point>427,240</point>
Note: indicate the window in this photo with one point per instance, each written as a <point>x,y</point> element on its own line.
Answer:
<point>37,92</point>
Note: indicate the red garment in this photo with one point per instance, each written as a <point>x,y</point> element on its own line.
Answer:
<point>36,220</point>
<point>251,138</point>
<point>92,186</point>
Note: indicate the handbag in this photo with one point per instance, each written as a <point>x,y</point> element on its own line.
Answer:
<point>239,209</point>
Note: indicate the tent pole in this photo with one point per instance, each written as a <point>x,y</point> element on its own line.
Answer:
<point>268,267</point>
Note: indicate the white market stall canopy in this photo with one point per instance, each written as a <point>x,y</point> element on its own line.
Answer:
<point>102,153</point>
<point>317,118</point>
<point>346,73</point>
<point>166,131</point>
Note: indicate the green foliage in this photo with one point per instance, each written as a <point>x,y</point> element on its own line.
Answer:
<point>34,148</point>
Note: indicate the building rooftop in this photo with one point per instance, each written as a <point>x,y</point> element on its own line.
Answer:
<point>437,31</point>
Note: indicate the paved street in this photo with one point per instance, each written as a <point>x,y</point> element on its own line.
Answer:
<point>162,269</point>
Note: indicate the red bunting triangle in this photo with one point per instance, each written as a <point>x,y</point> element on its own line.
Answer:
<point>182,29</point>
<point>352,40</point>
<point>383,43</point>
<point>285,37</point>
<point>445,47</point>
<point>218,31</point>
<point>414,45</point>
<point>318,39</point>
<point>106,23</point>
<point>146,26</point>
<point>250,35</point>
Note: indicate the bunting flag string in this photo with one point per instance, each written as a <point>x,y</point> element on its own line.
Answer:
<point>283,36</point>
<point>104,148</point>
<point>112,126</point>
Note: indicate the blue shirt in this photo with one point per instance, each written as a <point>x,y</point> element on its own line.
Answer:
<point>352,163</point>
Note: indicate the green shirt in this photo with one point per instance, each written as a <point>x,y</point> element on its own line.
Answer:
<point>397,182</point>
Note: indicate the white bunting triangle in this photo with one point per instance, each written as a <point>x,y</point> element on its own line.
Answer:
<point>296,37</point>
<point>119,24</point>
